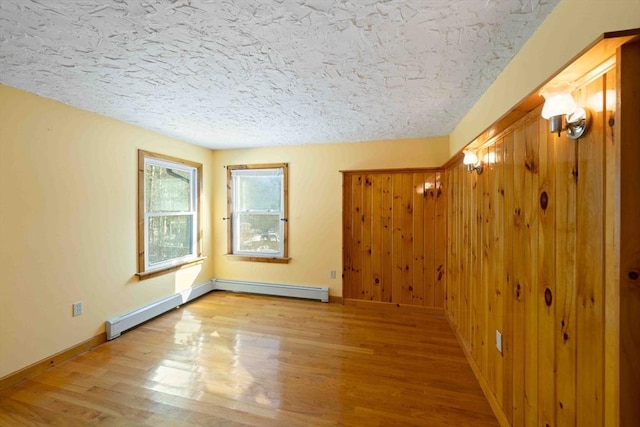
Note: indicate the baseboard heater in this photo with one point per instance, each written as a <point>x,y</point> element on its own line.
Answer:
<point>275,289</point>
<point>117,325</point>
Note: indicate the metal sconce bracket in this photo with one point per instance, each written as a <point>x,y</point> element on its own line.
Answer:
<point>575,124</point>
<point>578,123</point>
<point>478,168</point>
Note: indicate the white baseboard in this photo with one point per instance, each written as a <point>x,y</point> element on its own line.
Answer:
<point>116,325</point>
<point>275,289</point>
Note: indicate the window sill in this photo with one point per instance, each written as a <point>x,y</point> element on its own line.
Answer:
<point>153,273</point>
<point>274,260</point>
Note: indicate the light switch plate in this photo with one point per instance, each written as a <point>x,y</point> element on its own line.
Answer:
<point>499,341</point>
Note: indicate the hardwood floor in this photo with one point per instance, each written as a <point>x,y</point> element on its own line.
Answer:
<point>234,360</point>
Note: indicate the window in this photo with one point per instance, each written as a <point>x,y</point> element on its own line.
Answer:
<point>168,219</point>
<point>257,212</point>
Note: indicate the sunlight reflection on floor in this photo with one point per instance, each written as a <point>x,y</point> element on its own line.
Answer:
<point>246,378</point>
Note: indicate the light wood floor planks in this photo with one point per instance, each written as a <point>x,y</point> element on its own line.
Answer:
<point>234,360</point>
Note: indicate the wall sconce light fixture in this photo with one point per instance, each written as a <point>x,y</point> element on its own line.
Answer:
<point>471,162</point>
<point>559,106</point>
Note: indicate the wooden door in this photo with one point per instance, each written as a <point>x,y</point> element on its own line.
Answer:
<point>394,237</point>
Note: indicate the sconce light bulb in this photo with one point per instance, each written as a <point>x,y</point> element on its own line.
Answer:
<point>471,162</point>
<point>558,105</point>
<point>470,158</point>
<point>558,100</point>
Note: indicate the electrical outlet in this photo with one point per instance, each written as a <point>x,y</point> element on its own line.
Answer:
<point>332,274</point>
<point>77,308</point>
<point>499,341</point>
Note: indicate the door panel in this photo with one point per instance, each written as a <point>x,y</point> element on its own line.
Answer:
<point>394,231</point>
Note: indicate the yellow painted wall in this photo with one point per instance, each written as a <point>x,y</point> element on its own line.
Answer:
<point>315,203</point>
<point>68,224</point>
<point>568,30</point>
<point>68,196</point>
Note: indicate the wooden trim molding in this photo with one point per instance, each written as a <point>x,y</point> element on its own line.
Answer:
<point>273,260</point>
<point>486,388</point>
<point>229,218</point>
<point>51,361</point>
<point>335,299</point>
<point>401,170</point>
<point>142,155</point>
<point>154,273</point>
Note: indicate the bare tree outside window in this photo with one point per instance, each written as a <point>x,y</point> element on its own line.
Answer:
<point>169,227</point>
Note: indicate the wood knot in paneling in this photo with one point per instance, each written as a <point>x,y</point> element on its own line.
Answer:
<point>544,200</point>
<point>548,297</point>
<point>531,166</point>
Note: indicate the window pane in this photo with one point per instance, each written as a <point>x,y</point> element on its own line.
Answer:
<point>167,190</point>
<point>259,233</point>
<point>260,193</point>
<point>169,237</point>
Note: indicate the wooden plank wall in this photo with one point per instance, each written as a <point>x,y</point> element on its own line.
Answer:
<point>526,257</point>
<point>394,236</point>
<point>625,182</point>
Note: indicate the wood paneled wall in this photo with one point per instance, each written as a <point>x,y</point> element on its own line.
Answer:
<point>627,232</point>
<point>394,237</point>
<point>527,255</point>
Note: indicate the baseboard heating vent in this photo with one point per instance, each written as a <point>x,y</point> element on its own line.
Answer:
<point>119,324</point>
<point>275,289</point>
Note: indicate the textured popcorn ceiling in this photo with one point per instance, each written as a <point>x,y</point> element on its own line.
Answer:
<point>248,73</point>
